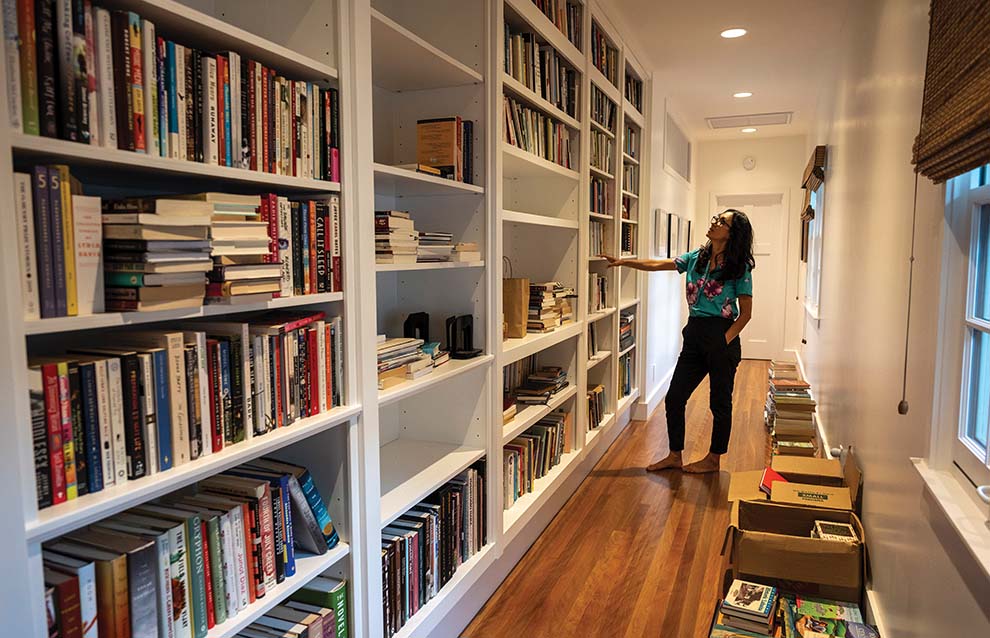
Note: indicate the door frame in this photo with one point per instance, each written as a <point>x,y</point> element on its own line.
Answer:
<point>785,202</point>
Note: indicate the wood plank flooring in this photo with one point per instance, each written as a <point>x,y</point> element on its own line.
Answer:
<point>633,553</point>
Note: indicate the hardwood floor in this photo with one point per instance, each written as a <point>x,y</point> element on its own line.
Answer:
<point>634,553</point>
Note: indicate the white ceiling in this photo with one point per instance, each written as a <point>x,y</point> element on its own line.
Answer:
<point>699,70</point>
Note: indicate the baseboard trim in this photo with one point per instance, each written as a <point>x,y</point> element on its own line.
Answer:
<point>644,408</point>
<point>874,612</point>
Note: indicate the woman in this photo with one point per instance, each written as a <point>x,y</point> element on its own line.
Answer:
<point>718,278</point>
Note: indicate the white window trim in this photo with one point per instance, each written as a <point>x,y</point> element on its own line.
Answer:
<point>945,483</point>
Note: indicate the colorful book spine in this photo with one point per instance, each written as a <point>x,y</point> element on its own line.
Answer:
<point>39,438</point>
<point>28,69</point>
<point>122,73</point>
<point>68,120</point>
<point>105,77</point>
<point>149,64</point>
<point>57,246</point>
<point>46,63</point>
<point>80,69</point>
<point>91,426</point>
<point>64,208</point>
<point>173,101</point>
<point>65,419</point>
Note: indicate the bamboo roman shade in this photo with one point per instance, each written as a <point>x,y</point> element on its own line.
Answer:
<point>955,111</point>
<point>814,177</point>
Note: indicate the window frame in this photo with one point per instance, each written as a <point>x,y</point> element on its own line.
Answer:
<point>966,197</point>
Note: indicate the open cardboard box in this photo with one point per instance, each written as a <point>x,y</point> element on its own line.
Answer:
<point>812,482</point>
<point>771,543</point>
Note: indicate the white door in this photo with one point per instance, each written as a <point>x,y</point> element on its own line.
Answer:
<point>763,337</point>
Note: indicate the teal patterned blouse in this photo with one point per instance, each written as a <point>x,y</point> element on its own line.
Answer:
<point>707,295</point>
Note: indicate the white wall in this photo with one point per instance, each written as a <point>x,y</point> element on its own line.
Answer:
<point>780,163</point>
<point>868,116</point>
<point>665,308</point>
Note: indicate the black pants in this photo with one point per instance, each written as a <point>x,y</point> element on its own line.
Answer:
<point>704,353</point>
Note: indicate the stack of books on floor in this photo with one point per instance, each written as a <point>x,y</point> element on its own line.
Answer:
<point>105,78</point>
<point>434,247</point>
<point>107,412</point>
<point>406,358</point>
<point>754,610</point>
<point>423,548</point>
<point>318,610</point>
<point>789,411</point>
<point>596,406</point>
<point>535,452</point>
<point>396,238</point>
<point>160,232</point>
<point>627,336</point>
<point>187,562</point>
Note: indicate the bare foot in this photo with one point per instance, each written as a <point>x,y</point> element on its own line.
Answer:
<point>708,464</point>
<point>671,461</point>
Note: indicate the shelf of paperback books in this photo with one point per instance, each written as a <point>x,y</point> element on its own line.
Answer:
<point>403,61</point>
<point>598,127</point>
<point>628,303</point>
<point>626,157</point>
<point>426,619</point>
<point>204,31</point>
<point>527,11</point>
<point>628,350</point>
<point>516,517</point>
<point>600,81</point>
<point>445,372</point>
<point>45,149</point>
<point>114,319</point>
<point>533,342</point>
<point>533,413</point>
<point>308,567</point>
<point>403,182</point>
<point>525,94</point>
<point>59,519</point>
<point>515,217</point>
<point>600,216</point>
<point>600,356</point>
<point>411,469</point>
<point>520,164</point>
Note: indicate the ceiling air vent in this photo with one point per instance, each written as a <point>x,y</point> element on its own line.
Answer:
<point>755,119</point>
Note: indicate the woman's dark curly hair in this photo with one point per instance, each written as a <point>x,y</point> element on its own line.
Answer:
<point>738,251</point>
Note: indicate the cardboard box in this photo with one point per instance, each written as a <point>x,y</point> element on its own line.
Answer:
<point>812,482</point>
<point>771,543</point>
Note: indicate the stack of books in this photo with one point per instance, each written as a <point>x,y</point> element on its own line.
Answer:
<point>187,562</point>
<point>466,251</point>
<point>541,385</point>
<point>123,86</point>
<point>401,358</point>
<point>789,411</point>
<point>396,238</point>
<point>627,335</point>
<point>434,247</point>
<point>318,609</point>
<point>422,549</point>
<point>148,231</point>
<point>544,316</point>
<point>596,406</point>
<point>107,412</point>
<point>533,453</point>
<point>795,617</point>
<point>750,607</point>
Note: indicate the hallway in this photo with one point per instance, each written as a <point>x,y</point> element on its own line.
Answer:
<point>632,553</point>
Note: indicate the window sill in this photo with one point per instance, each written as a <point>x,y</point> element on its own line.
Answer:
<point>811,310</point>
<point>969,520</point>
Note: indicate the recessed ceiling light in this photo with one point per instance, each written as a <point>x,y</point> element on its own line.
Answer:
<point>742,94</point>
<point>733,33</point>
<point>748,130</point>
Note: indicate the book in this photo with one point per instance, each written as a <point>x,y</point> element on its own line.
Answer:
<point>105,78</point>
<point>27,76</point>
<point>88,254</point>
<point>67,601</point>
<point>26,246</point>
<point>85,573</point>
<point>768,479</point>
<point>750,601</point>
<point>327,592</point>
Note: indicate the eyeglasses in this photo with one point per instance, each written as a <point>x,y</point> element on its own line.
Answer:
<point>719,221</point>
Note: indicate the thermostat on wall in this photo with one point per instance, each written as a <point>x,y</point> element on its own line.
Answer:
<point>749,162</point>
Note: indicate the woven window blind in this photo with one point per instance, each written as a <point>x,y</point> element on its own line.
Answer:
<point>814,177</point>
<point>955,112</point>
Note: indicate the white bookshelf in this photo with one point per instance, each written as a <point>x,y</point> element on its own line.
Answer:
<point>394,62</point>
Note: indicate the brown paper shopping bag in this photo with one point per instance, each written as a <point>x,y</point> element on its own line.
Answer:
<point>515,304</point>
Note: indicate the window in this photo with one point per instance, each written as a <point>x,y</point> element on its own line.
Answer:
<point>813,272</point>
<point>975,401</point>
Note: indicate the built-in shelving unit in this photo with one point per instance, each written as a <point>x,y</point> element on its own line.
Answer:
<point>394,62</point>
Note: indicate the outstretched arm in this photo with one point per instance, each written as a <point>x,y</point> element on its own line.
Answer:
<point>745,314</point>
<point>641,264</point>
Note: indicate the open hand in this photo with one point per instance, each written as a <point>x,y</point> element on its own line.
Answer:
<point>612,261</point>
